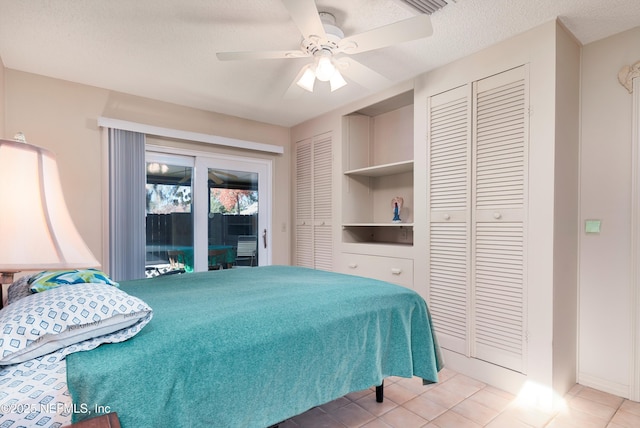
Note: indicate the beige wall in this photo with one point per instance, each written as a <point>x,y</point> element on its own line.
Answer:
<point>605,194</point>
<point>2,132</point>
<point>62,116</point>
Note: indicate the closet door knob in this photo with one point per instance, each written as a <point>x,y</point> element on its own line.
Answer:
<point>497,216</point>
<point>447,217</point>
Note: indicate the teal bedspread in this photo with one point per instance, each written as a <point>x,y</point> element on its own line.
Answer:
<point>252,347</point>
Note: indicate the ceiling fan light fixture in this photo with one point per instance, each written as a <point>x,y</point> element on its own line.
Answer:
<point>326,43</point>
<point>325,69</point>
<point>307,80</point>
<point>337,81</point>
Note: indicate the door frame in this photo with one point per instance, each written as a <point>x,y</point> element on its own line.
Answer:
<point>634,361</point>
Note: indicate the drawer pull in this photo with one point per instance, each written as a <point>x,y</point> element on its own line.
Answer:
<point>353,265</point>
<point>497,216</point>
<point>396,271</point>
<point>447,217</point>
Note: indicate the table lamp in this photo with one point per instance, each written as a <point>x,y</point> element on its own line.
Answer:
<point>36,230</point>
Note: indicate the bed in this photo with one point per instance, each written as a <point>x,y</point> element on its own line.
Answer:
<point>251,347</point>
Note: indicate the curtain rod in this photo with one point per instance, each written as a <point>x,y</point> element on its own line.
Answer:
<point>125,125</point>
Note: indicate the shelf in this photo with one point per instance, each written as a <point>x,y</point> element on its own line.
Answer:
<point>377,225</point>
<point>378,233</point>
<point>382,136</point>
<point>382,170</point>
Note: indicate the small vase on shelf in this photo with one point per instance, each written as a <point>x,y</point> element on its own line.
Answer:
<point>396,203</point>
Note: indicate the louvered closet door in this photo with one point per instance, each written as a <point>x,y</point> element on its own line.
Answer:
<point>448,197</point>
<point>322,194</point>
<point>304,204</point>
<point>500,137</point>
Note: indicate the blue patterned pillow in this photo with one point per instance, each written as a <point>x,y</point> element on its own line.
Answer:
<point>48,280</point>
<point>63,318</point>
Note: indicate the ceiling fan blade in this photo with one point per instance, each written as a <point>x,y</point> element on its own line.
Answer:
<point>233,56</point>
<point>414,28</point>
<point>305,15</point>
<point>361,74</point>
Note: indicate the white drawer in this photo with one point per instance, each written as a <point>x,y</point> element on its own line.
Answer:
<point>390,269</point>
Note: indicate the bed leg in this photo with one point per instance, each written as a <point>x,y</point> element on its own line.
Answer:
<point>380,392</point>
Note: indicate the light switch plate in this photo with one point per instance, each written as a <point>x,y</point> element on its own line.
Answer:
<point>592,226</point>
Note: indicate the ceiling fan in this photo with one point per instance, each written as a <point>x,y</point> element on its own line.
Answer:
<point>323,41</point>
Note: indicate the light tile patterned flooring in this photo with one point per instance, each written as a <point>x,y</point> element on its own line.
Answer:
<point>458,401</point>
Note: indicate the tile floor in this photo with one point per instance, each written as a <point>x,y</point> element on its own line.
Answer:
<point>458,401</point>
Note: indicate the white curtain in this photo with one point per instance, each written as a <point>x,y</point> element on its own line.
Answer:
<point>127,196</point>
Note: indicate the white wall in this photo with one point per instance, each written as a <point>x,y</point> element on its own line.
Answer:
<point>605,186</point>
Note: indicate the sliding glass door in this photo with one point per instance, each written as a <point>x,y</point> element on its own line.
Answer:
<point>206,213</point>
<point>169,214</point>
<point>236,214</point>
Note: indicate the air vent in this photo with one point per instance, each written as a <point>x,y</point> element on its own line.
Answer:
<point>427,6</point>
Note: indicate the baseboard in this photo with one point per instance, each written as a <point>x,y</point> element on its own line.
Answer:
<point>493,375</point>
<point>595,382</point>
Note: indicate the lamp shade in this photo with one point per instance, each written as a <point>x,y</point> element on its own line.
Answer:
<point>36,230</point>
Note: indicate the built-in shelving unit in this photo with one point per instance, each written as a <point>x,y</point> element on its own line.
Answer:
<point>377,167</point>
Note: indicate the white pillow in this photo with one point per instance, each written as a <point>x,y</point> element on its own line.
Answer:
<point>45,322</point>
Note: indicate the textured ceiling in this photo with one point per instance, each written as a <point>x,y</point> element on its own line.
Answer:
<point>165,49</point>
